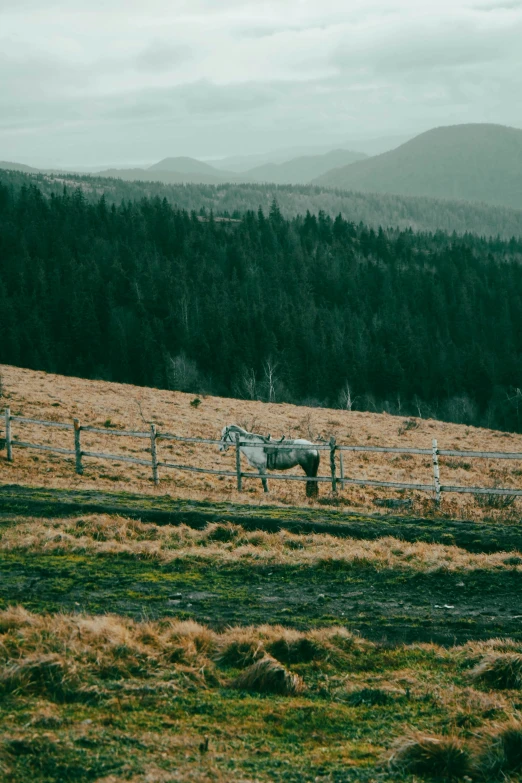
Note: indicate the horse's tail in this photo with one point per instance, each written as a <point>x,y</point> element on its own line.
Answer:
<point>312,487</point>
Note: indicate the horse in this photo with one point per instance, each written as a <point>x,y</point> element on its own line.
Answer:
<point>264,454</point>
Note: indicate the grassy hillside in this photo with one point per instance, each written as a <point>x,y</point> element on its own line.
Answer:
<point>120,406</point>
<point>471,162</point>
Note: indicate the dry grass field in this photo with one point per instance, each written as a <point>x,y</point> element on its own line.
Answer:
<point>118,406</point>
<point>135,650</point>
<point>109,700</point>
<point>121,657</point>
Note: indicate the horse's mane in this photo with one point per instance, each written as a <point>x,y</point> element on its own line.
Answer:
<point>242,431</point>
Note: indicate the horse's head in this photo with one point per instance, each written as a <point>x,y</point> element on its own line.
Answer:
<point>226,438</point>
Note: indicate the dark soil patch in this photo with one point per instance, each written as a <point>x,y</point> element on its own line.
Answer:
<point>382,604</point>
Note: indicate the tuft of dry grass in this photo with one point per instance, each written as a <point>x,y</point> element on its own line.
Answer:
<point>239,649</point>
<point>501,753</point>
<point>499,670</point>
<point>242,647</point>
<point>40,674</point>
<point>269,676</point>
<point>50,676</point>
<point>290,646</point>
<point>443,758</point>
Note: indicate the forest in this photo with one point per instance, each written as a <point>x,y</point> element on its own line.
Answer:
<point>311,310</point>
<point>232,199</point>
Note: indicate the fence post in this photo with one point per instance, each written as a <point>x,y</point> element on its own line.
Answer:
<point>153,453</point>
<point>238,465</point>
<point>77,447</point>
<point>332,463</point>
<point>436,474</point>
<point>341,469</point>
<point>8,443</point>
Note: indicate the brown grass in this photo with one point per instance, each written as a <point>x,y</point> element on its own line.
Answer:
<point>46,652</point>
<point>443,758</point>
<point>269,676</point>
<point>102,534</point>
<point>242,647</point>
<point>125,668</point>
<point>47,396</point>
<point>500,670</point>
<point>501,751</point>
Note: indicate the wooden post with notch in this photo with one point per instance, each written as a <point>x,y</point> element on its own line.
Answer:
<point>238,465</point>
<point>154,454</point>
<point>436,473</point>
<point>341,469</point>
<point>77,447</point>
<point>8,442</point>
<point>332,463</point>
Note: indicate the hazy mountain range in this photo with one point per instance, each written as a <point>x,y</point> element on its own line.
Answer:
<point>477,162</point>
<point>297,171</point>
<point>243,163</point>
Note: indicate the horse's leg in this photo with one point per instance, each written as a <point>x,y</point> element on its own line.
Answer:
<point>310,468</point>
<point>262,473</point>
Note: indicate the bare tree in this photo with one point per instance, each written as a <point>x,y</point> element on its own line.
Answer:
<point>270,376</point>
<point>183,373</point>
<point>417,402</point>
<point>514,398</point>
<point>461,409</point>
<point>346,397</point>
<point>246,384</point>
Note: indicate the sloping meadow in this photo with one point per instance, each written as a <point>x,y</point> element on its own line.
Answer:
<point>113,406</point>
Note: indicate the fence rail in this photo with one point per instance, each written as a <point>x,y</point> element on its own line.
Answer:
<point>336,450</point>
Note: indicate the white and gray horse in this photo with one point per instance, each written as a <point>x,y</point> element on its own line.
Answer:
<point>264,454</point>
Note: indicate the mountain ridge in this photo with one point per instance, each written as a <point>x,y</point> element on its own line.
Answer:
<point>302,170</point>
<point>471,162</point>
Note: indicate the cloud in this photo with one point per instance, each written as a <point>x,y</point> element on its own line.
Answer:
<point>122,78</point>
<point>427,42</point>
<point>160,55</point>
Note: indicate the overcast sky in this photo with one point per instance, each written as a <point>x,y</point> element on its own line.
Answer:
<point>122,81</point>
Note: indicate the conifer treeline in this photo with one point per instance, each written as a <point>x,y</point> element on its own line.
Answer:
<point>292,310</point>
<point>372,209</point>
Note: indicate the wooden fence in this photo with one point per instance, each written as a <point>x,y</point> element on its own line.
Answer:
<point>334,449</point>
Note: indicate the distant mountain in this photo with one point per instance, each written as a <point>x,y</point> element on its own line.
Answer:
<point>4,164</point>
<point>377,145</point>
<point>470,162</point>
<point>369,146</point>
<point>186,166</point>
<point>240,164</point>
<point>294,172</point>
<point>188,171</point>
<point>300,171</point>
